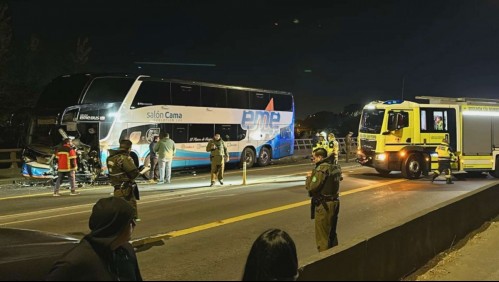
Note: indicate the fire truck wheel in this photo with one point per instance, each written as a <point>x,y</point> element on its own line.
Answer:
<point>412,167</point>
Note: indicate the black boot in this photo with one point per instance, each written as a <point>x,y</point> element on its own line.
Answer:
<point>449,181</point>
<point>434,177</point>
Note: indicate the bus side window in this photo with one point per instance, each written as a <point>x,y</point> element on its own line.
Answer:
<point>185,95</point>
<point>227,131</point>
<point>200,132</point>
<point>259,101</point>
<point>179,133</point>
<point>152,93</point>
<point>237,99</point>
<point>213,97</point>
<point>282,102</point>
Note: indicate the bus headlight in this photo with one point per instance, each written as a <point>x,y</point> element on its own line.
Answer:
<point>380,157</point>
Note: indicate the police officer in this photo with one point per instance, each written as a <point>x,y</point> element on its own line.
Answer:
<point>445,156</point>
<point>348,145</point>
<point>323,185</point>
<point>321,143</point>
<point>333,148</point>
<point>122,173</point>
<point>218,156</point>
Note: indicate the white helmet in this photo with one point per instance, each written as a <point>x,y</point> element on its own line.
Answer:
<point>324,134</point>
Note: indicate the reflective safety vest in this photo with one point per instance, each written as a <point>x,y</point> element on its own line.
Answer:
<point>333,148</point>
<point>66,158</point>
<point>444,152</point>
<point>321,144</point>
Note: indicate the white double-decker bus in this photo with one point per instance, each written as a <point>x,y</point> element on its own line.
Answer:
<point>256,124</point>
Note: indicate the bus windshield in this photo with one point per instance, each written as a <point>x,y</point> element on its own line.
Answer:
<point>62,92</point>
<point>371,121</point>
<point>108,90</point>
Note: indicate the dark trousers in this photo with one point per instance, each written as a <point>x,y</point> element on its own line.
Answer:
<point>72,180</point>
<point>154,172</point>
<point>326,221</point>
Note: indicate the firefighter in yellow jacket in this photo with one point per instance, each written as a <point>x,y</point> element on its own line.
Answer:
<point>323,185</point>
<point>321,143</point>
<point>218,156</point>
<point>333,148</point>
<point>445,157</point>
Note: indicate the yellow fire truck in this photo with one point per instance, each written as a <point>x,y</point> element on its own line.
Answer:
<point>398,135</point>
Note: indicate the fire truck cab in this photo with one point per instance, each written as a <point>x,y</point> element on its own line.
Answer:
<point>398,135</point>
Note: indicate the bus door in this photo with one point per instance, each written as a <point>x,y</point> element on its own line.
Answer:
<point>285,146</point>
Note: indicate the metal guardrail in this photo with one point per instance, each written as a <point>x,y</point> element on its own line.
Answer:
<point>13,159</point>
<point>306,144</point>
<point>300,144</point>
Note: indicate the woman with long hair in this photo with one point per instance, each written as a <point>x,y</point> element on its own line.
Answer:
<point>272,257</point>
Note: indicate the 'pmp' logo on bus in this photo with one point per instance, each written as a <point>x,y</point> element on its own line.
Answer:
<point>260,120</point>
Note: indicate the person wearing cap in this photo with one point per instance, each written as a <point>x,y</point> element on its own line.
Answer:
<point>219,155</point>
<point>122,174</point>
<point>104,254</point>
<point>445,156</point>
<point>323,184</point>
<point>332,149</point>
<point>348,145</point>
<point>321,143</point>
<point>66,166</point>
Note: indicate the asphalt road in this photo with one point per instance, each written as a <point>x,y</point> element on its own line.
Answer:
<point>194,232</point>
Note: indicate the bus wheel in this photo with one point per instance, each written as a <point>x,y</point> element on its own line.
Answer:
<point>264,157</point>
<point>383,172</point>
<point>495,173</point>
<point>248,156</point>
<point>412,167</point>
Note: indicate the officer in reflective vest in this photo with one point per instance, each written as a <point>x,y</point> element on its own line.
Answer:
<point>122,174</point>
<point>445,156</point>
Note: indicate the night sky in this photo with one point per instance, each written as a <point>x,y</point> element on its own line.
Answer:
<point>328,53</point>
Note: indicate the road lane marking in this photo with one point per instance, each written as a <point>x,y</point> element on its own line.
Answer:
<point>202,227</point>
<point>72,210</point>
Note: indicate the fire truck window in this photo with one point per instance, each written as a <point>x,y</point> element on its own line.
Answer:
<point>438,121</point>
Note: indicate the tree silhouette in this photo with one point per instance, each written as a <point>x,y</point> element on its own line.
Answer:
<point>5,42</point>
<point>80,57</point>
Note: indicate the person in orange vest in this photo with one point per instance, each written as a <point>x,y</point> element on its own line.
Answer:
<point>66,166</point>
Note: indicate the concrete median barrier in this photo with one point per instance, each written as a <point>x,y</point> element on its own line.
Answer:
<point>407,246</point>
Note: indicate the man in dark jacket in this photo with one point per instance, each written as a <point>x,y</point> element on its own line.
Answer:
<point>104,254</point>
<point>153,160</point>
